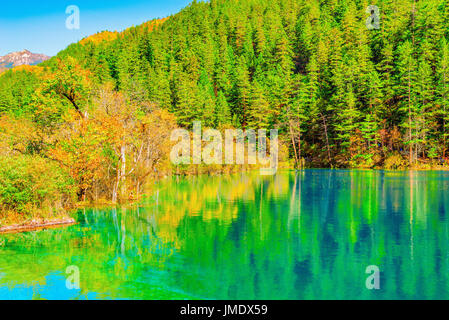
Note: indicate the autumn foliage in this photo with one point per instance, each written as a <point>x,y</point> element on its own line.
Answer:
<point>82,142</point>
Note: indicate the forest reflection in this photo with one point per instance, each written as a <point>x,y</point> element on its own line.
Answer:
<point>297,235</point>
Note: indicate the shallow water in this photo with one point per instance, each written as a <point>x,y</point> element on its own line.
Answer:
<point>309,235</point>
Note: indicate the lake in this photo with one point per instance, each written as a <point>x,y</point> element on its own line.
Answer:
<point>305,235</point>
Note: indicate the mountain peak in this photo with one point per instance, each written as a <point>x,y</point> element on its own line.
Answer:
<point>24,57</point>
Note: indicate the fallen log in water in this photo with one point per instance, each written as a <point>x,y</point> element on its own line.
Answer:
<point>37,225</point>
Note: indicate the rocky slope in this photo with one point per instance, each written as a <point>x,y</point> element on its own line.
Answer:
<point>24,57</point>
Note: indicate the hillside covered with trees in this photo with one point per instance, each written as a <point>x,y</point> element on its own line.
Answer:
<point>340,94</point>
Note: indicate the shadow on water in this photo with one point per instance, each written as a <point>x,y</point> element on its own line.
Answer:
<point>304,235</point>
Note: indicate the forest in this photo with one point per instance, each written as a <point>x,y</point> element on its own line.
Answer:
<point>94,122</point>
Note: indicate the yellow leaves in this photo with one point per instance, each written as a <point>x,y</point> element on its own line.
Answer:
<point>119,144</point>
<point>72,73</point>
<point>24,68</point>
<point>58,154</point>
<point>100,37</point>
<point>151,25</point>
<point>71,83</point>
<point>107,36</point>
<point>16,135</point>
<point>32,182</point>
<point>80,150</point>
<point>27,68</point>
<point>116,146</point>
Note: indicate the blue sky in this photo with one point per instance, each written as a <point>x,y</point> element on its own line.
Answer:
<point>40,26</point>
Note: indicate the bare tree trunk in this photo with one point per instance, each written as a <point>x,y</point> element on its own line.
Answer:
<point>409,85</point>
<point>327,140</point>
<point>410,117</point>
<point>119,176</point>
<point>115,188</point>
<point>444,116</point>
<point>293,142</point>
<point>416,145</point>
<point>123,169</point>
<point>413,23</point>
<point>299,146</point>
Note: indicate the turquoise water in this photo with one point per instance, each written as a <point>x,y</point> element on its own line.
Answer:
<point>309,235</point>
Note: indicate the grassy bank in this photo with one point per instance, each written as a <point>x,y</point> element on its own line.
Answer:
<point>38,193</point>
<point>33,192</point>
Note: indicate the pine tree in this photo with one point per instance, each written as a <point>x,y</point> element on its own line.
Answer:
<point>296,115</point>
<point>443,94</point>
<point>371,124</point>
<point>241,92</point>
<point>259,108</point>
<point>222,110</point>
<point>346,121</point>
<point>425,98</point>
<point>407,78</point>
<point>386,74</point>
<point>310,68</point>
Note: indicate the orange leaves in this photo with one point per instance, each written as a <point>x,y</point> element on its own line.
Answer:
<point>80,151</point>
<point>17,136</point>
<point>112,150</point>
<point>151,25</point>
<point>27,68</point>
<point>70,83</point>
<point>116,146</point>
<point>114,115</point>
<point>24,68</point>
<point>100,37</point>
<point>106,36</point>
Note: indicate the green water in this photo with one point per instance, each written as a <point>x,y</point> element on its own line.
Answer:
<point>309,235</point>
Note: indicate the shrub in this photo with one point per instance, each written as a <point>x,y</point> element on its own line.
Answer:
<point>395,162</point>
<point>30,182</point>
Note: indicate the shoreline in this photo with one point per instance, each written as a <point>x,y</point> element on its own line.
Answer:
<point>37,225</point>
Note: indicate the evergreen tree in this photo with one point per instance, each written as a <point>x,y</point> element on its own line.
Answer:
<point>443,94</point>
<point>407,79</point>
<point>310,68</point>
